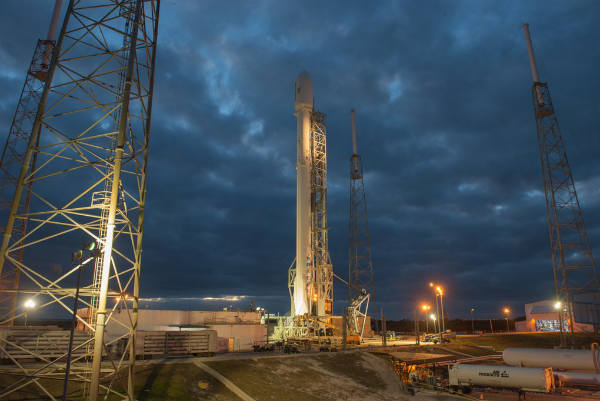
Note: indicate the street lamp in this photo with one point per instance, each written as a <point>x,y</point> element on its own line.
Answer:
<point>426,309</point>
<point>558,306</point>
<point>507,313</point>
<point>28,305</point>
<point>417,326</point>
<point>439,291</point>
<point>77,256</point>
<point>472,323</point>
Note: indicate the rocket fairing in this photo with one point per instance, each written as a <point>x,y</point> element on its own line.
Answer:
<point>303,105</point>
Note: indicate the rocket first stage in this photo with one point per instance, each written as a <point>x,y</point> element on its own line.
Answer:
<point>303,97</point>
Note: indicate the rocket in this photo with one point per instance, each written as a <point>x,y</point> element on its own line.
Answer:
<point>303,105</point>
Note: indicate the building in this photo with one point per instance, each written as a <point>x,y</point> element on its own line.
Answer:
<point>544,316</point>
<point>236,330</point>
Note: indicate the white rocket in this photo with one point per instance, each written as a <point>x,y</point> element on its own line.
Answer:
<point>303,97</point>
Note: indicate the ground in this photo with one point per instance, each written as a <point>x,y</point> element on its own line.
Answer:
<point>318,376</point>
<point>352,375</point>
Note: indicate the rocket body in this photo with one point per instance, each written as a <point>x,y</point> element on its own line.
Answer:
<point>303,107</point>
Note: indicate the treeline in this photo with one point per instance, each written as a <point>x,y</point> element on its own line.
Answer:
<point>458,325</point>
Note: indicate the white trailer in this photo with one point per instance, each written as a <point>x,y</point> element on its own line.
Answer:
<point>466,376</point>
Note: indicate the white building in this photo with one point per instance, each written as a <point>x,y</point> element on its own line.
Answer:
<point>543,316</point>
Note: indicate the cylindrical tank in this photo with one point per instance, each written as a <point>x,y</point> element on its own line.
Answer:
<point>550,358</point>
<point>526,379</point>
<point>564,378</point>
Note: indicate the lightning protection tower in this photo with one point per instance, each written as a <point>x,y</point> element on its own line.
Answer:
<point>575,277</point>
<point>360,265</point>
<point>13,154</point>
<point>89,140</point>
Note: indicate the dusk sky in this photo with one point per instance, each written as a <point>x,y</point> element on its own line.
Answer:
<point>442,92</point>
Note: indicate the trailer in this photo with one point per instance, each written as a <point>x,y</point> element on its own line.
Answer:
<point>465,377</point>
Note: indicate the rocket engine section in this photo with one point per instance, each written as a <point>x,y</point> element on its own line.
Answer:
<point>303,105</point>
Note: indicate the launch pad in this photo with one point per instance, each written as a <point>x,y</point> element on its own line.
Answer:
<point>310,276</point>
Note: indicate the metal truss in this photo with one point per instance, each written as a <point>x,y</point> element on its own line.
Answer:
<point>90,137</point>
<point>575,276</point>
<point>321,271</point>
<point>360,267</point>
<point>359,308</point>
<point>291,278</point>
<point>12,159</point>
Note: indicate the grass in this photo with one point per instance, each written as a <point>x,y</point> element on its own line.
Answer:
<point>529,340</point>
<point>173,381</point>
<point>327,376</point>
<point>179,381</point>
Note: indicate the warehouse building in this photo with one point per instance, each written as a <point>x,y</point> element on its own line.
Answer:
<point>543,316</point>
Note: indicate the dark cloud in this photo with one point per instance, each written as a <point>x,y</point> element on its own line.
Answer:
<point>445,125</point>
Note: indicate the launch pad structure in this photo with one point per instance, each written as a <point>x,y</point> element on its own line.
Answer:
<point>80,179</point>
<point>310,276</point>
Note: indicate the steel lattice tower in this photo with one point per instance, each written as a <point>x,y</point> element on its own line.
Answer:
<point>89,140</point>
<point>12,159</point>
<point>575,277</point>
<point>322,271</point>
<point>360,266</point>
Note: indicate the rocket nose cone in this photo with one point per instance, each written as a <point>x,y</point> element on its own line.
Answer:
<point>303,94</point>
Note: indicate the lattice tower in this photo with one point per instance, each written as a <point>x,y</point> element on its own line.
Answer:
<point>13,155</point>
<point>575,277</point>
<point>360,266</point>
<point>321,271</point>
<point>90,137</point>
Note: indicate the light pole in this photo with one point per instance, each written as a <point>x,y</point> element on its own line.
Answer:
<point>77,256</point>
<point>417,325</point>
<point>439,291</point>
<point>507,313</point>
<point>559,307</point>
<point>472,322</point>
<point>426,309</point>
<point>433,318</point>
<point>28,305</point>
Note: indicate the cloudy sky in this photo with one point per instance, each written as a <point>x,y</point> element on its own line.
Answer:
<point>445,128</point>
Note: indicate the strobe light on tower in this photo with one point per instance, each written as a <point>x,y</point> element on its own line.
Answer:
<point>310,282</point>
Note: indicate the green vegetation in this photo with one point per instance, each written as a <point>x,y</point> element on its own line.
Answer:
<point>323,376</point>
<point>180,381</point>
<point>529,340</point>
<point>327,376</point>
<point>171,381</point>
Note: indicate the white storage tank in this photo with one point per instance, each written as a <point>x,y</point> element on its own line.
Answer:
<point>510,377</point>
<point>550,358</point>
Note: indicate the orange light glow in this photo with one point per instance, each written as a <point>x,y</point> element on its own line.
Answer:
<point>431,284</point>
<point>315,297</point>
<point>506,310</point>
<point>439,290</point>
<point>425,307</point>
